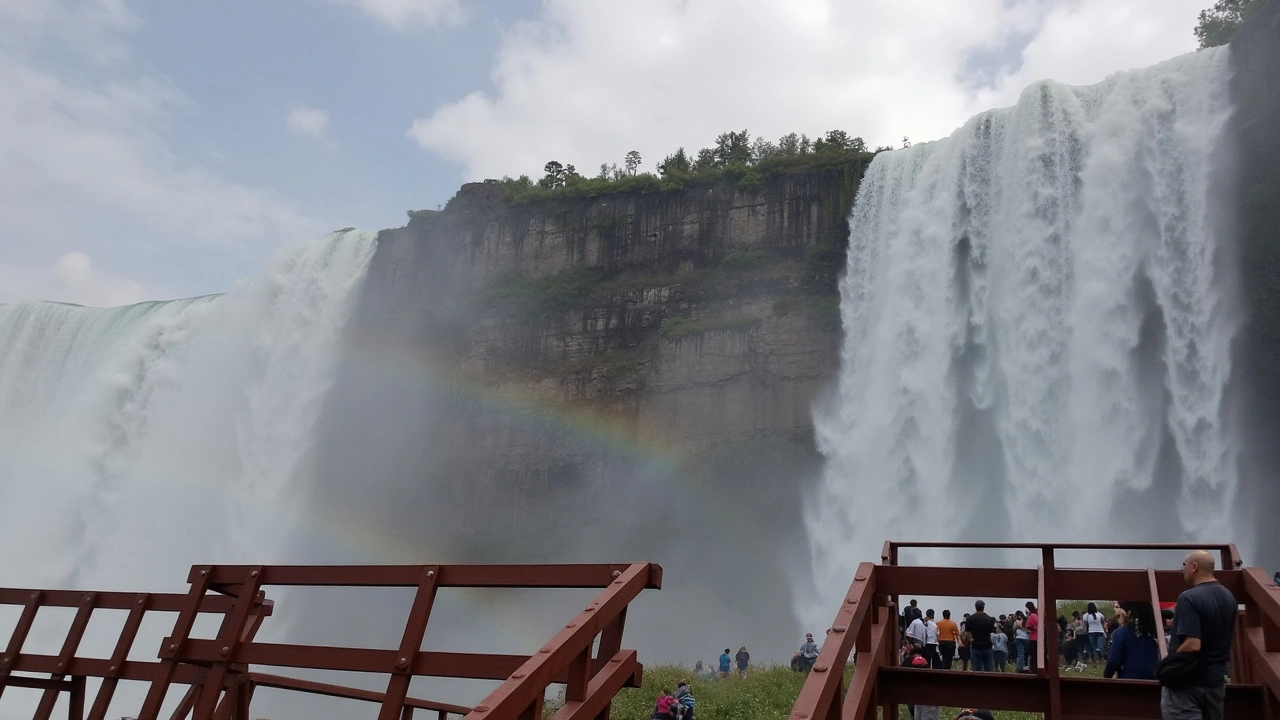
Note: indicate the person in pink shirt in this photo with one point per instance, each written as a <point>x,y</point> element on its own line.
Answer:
<point>1033,635</point>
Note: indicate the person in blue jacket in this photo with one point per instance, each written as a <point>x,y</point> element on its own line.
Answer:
<point>1134,648</point>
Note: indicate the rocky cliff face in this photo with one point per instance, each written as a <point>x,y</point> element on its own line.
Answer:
<point>691,320</point>
<point>1255,90</point>
<point>619,377</point>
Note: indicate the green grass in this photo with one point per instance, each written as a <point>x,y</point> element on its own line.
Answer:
<point>766,694</point>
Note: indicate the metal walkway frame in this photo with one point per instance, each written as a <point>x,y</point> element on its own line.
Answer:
<point>866,629</point>
<point>220,676</point>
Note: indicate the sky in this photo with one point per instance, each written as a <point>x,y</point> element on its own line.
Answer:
<point>154,149</point>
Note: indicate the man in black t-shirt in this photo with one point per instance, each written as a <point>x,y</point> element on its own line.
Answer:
<point>1203,622</point>
<point>980,626</point>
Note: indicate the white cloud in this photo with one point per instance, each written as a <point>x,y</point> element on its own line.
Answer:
<point>1084,42</point>
<point>71,279</point>
<point>405,15</point>
<point>307,121</point>
<point>73,268</point>
<point>86,164</point>
<point>78,283</point>
<point>588,81</point>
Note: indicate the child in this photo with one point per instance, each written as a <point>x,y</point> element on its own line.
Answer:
<point>665,708</point>
<point>684,698</point>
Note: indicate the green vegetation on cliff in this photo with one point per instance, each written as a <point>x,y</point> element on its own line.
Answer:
<point>550,294</point>
<point>676,327</point>
<point>735,157</point>
<point>1218,25</point>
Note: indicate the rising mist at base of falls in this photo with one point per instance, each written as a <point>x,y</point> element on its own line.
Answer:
<point>1039,314</point>
<point>138,441</point>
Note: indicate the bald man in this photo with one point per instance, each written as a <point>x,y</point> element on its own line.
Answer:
<point>1202,624</point>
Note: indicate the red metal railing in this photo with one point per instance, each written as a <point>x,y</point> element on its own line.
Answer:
<point>866,628</point>
<point>219,672</point>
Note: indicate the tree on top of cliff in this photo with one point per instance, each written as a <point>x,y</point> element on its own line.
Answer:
<point>1219,24</point>
<point>735,156</point>
<point>557,175</point>
<point>675,164</point>
<point>733,148</point>
<point>837,142</point>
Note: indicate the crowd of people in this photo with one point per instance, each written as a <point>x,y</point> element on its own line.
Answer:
<point>728,665</point>
<point>680,704</point>
<point>1197,630</point>
<point>1125,644</point>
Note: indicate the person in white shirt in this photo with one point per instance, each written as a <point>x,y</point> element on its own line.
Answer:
<point>1095,623</point>
<point>931,641</point>
<point>916,630</point>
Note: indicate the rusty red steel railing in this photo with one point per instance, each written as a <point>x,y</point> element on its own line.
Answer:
<point>221,679</point>
<point>866,630</point>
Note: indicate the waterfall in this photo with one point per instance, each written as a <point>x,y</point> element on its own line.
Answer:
<point>1038,318</point>
<point>136,441</point>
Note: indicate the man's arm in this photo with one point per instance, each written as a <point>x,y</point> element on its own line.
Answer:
<point>1190,645</point>
<point>1187,622</point>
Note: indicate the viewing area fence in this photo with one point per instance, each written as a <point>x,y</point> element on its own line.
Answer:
<point>220,674</point>
<point>866,631</point>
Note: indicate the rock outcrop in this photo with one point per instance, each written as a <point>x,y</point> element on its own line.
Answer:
<point>610,378</point>
<point>1255,91</point>
<point>693,320</point>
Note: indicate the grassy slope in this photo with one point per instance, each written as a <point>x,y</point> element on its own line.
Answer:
<point>767,694</point>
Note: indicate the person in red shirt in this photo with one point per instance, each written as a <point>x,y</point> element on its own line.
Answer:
<point>1033,635</point>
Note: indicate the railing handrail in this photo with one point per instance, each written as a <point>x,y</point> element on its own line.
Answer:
<point>1231,558</point>
<point>816,701</point>
<point>218,670</point>
<point>1255,661</point>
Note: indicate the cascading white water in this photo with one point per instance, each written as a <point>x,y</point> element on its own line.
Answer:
<point>1038,322</point>
<point>136,441</point>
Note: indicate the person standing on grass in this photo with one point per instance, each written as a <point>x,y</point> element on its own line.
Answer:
<point>1020,640</point>
<point>948,633</point>
<point>1095,624</point>
<point>1081,639</point>
<point>916,631</point>
<point>908,614</point>
<point>1000,648</point>
<point>964,643</point>
<point>1203,621</point>
<point>743,658</point>
<point>1067,644</point>
<point>931,640</point>
<point>980,627</point>
<point>808,652</point>
<point>725,661</point>
<point>1033,636</point>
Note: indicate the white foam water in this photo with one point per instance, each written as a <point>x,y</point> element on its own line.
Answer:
<point>137,441</point>
<point>1038,325</point>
